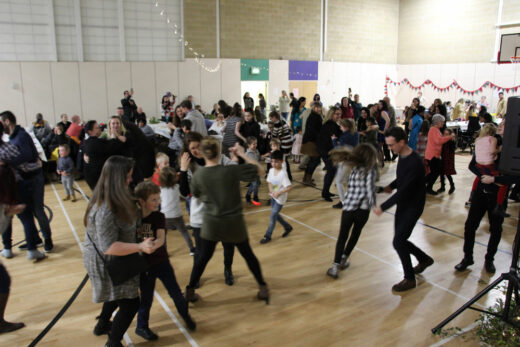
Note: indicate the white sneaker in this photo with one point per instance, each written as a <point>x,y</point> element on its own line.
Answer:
<point>35,255</point>
<point>344,262</point>
<point>333,271</point>
<point>7,253</point>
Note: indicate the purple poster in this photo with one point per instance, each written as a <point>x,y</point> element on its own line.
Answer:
<point>300,70</point>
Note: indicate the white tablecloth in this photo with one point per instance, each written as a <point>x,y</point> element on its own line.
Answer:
<point>161,129</point>
<point>463,125</point>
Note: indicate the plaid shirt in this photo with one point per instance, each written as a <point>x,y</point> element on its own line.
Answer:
<point>361,192</point>
<point>8,152</point>
<point>422,141</point>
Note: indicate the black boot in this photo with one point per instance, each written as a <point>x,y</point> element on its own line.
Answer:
<point>228,275</point>
<point>190,323</point>
<point>501,211</point>
<point>102,327</point>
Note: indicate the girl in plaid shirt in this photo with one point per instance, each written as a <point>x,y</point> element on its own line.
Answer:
<point>358,200</point>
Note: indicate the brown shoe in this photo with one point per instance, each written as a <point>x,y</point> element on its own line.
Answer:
<point>404,285</point>
<point>66,198</point>
<point>263,294</point>
<point>422,266</point>
<point>73,199</point>
<point>190,295</point>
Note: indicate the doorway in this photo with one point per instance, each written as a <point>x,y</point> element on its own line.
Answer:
<point>254,88</point>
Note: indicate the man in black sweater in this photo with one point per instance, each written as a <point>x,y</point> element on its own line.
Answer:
<point>409,198</point>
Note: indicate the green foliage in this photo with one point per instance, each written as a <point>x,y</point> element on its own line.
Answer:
<point>153,120</point>
<point>491,330</point>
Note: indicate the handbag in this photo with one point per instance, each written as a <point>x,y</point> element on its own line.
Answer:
<point>309,148</point>
<point>122,268</point>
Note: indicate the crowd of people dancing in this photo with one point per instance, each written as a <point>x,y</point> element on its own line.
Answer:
<point>138,180</point>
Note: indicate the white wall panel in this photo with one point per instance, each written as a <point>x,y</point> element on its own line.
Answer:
<point>210,85</point>
<point>143,82</point>
<point>118,80</point>
<point>38,92</point>
<point>65,84</point>
<point>278,81</point>
<point>166,80</point>
<point>325,81</point>
<point>11,95</point>
<point>231,89</point>
<point>189,80</point>
<point>94,91</point>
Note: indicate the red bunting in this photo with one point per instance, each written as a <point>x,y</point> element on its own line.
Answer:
<point>447,88</point>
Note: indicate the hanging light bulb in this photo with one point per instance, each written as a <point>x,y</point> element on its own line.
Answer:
<point>168,20</point>
<point>162,12</point>
<point>157,4</point>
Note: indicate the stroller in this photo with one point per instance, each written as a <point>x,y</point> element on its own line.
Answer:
<point>467,138</point>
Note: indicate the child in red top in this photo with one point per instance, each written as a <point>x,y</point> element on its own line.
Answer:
<point>161,160</point>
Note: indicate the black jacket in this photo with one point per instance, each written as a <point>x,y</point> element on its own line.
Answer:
<point>324,142</point>
<point>250,129</point>
<point>98,151</point>
<point>312,128</point>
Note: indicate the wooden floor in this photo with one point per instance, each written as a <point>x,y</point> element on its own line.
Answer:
<point>307,307</point>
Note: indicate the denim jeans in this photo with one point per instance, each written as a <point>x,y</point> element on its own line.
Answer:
<point>164,272</point>
<point>285,115</point>
<point>275,216</point>
<point>253,189</point>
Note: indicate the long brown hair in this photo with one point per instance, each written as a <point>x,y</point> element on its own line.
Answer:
<point>111,189</point>
<point>364,156</point>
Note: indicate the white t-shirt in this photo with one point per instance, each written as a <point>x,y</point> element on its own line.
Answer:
<point>279,181</point>
<point>170,202</point>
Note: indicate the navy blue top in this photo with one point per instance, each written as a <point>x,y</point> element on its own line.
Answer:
<point>28,153</point>
<point>65,164</point>
<point>347,139</point>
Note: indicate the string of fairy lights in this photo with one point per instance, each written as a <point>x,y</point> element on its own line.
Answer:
<point>175,30</point>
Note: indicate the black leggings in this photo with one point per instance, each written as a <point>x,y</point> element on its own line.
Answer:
<point>314,162</point>
<point>435,171</point>
<point>450,179</point>
<point>288,168</point>
<point>123,318</point>
<point>206,252</point>
<point>358,218</point>
<point>229,250</point>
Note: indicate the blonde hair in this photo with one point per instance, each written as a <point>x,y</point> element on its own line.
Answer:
<point>210,148</point>
<point>488,129</point>
<point>161,156</point>
<point>348,123</point>
<point>330,113</point>
<point>122,128</point>
<point>275,141</point>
